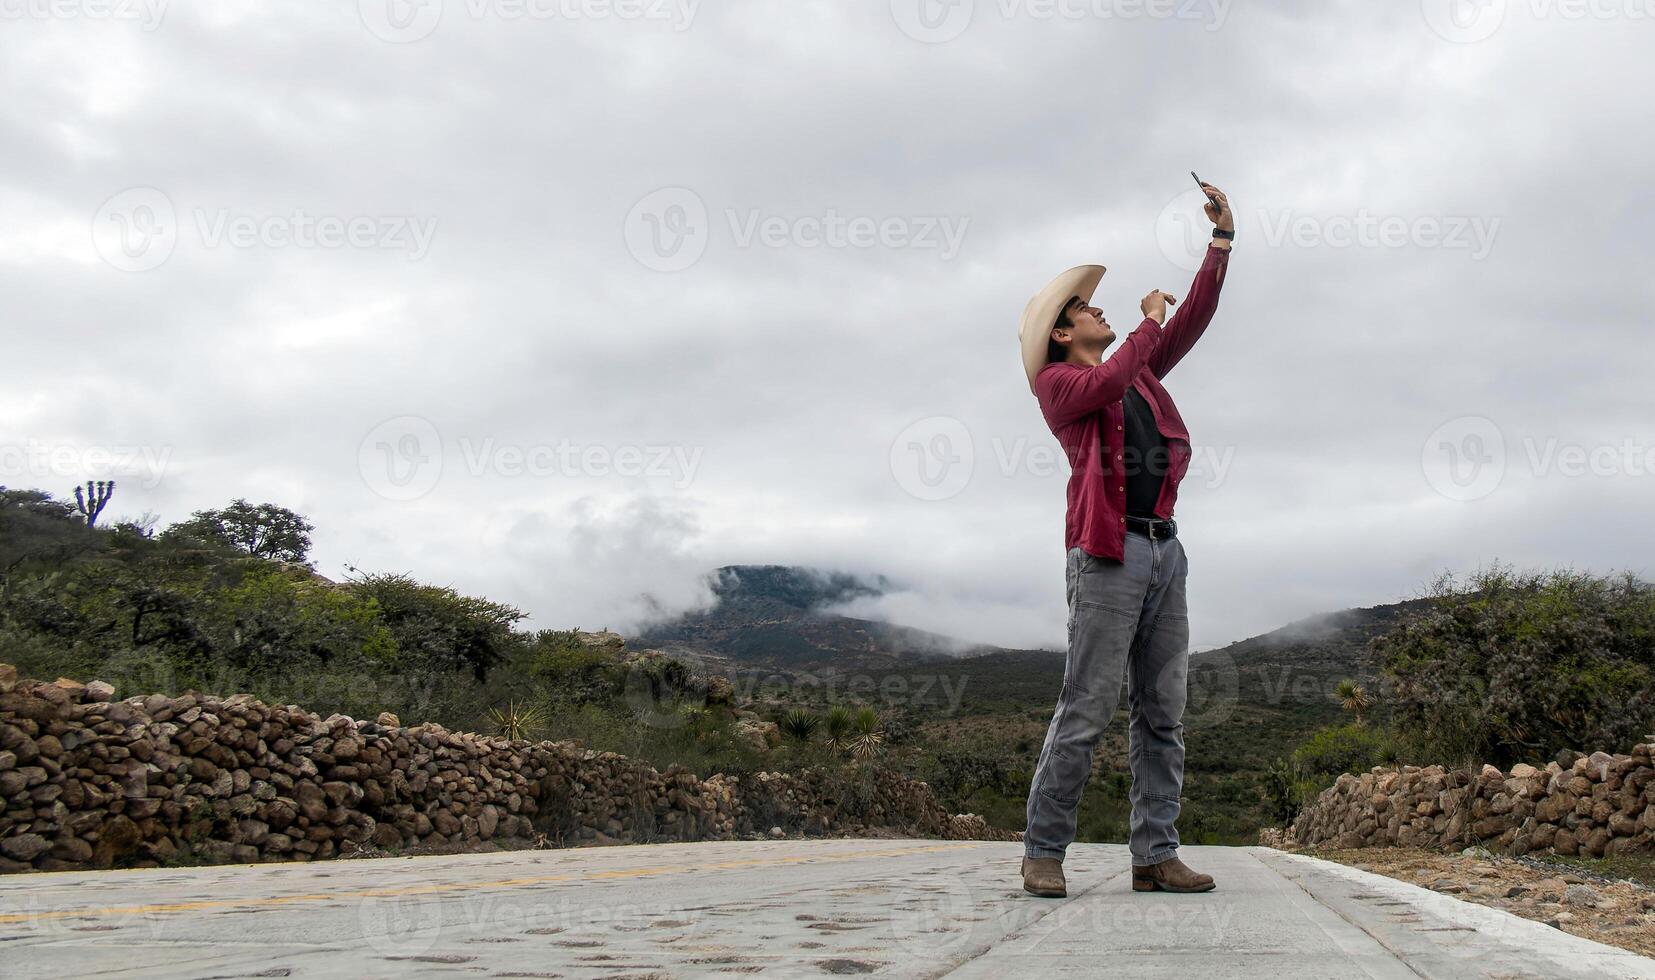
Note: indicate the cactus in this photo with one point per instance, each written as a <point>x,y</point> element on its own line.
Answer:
<point>90,503</point>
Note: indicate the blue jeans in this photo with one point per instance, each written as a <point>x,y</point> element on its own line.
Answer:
<point>1126,620</point>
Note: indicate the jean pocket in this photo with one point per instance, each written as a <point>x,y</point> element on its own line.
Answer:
<point>1092,563</point>
<point>1098,648</point>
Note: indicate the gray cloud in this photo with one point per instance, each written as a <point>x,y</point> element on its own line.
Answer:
<point>791,369</point>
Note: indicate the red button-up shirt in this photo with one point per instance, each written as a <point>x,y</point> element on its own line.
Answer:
<point>1082,406</point>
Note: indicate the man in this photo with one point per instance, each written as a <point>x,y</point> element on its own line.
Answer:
<point>1128,450</point>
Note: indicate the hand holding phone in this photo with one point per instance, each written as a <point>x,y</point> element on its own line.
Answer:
<point>1218,206</point>
<point>1203,185</point>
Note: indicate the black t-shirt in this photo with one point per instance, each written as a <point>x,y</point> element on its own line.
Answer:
<point>1145,456</point>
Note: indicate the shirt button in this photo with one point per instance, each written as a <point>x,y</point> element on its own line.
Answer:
<point>1121,489</point>
<point>1123,520</point>
<point>1119,428</point>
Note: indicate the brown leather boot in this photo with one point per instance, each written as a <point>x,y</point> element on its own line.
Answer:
<point>1171,875</point>
<point>1044,877</point>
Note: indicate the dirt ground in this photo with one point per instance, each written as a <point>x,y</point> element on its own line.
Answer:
<point>1594,902</point>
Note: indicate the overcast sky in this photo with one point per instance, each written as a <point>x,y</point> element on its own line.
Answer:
<point>564,303</point>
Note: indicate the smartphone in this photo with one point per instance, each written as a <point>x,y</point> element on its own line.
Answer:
<point>1203,188</point>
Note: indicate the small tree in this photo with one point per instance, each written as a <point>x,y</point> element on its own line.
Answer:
<point>265,531</point>
<point>91,502</point>
<point>436,628</point>
<point>1354,698</point>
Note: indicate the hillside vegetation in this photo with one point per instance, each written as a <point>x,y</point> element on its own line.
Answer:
<point>1501,668</point>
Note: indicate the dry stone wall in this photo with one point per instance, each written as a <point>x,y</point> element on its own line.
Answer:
<point>1593,805</point>
<point>87,782</point>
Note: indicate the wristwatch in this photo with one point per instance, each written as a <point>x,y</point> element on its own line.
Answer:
<point>1226,235</point>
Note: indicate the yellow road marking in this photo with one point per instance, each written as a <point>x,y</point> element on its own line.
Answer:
<point>461,886</point>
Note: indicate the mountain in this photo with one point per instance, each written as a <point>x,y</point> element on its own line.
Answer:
<point>1337,640</point>
<point>980,713</point>
<point>787,616</point>
<point>784,616</point>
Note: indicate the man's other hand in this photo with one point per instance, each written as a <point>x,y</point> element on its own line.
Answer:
<point>1155,305</point>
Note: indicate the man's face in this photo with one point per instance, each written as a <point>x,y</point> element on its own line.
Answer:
<point>1087,329</point>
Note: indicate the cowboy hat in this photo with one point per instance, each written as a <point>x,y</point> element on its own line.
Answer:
<point>1040,316</point>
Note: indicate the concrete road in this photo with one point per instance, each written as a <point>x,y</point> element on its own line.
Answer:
<point>774,908</point>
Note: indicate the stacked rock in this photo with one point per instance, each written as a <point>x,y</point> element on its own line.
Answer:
<point>87,781</point>
<point>1596,805</point>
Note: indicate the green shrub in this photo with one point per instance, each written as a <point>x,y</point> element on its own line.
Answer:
<point>799,725</point>
<point>1347,748</point>
<point>571,669</point>
<point>436,628</point>
<point>1512,667</point>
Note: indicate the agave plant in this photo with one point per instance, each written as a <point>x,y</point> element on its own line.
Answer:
<point>839,725</point>
<point>869,738</point>
<point>799,725</point>
<point>516,721</point>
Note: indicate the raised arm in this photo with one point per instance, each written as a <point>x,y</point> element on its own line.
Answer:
<point>1190,322</point>
<point>1072,391</point>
